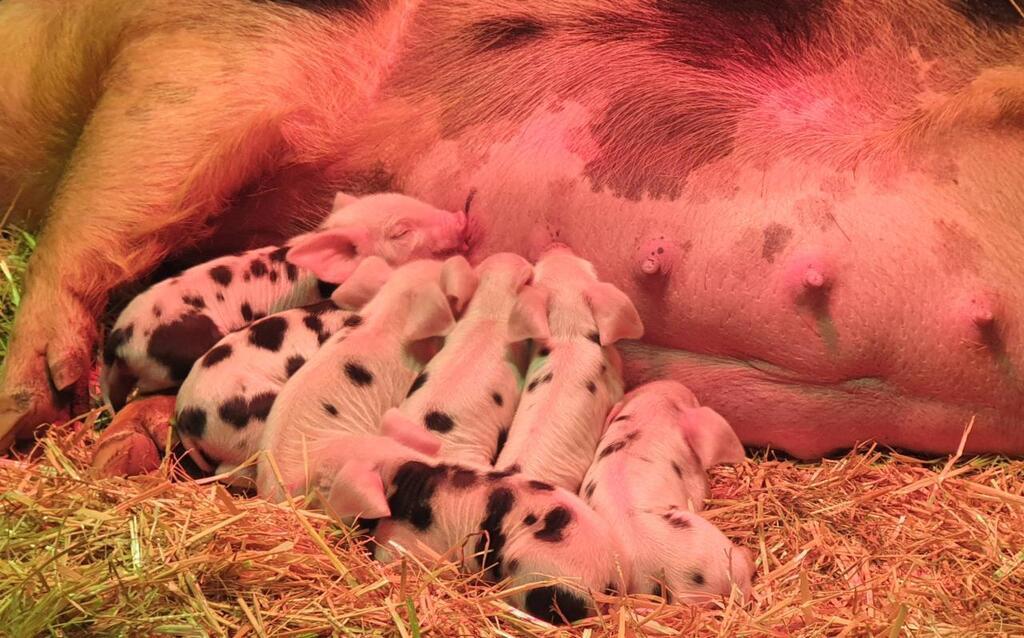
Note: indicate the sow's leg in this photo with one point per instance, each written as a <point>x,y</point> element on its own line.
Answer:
<point>155,159</point>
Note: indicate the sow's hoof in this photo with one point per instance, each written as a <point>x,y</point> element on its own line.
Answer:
<point>134,441</point>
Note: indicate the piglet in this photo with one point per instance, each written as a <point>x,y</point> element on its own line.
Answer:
<point>468,392</point>
<point>647,480</point>
<point>354,378</point>
<point>225,400</point>
<point>164,330</point>
<point>575,374</point>
<point>498,525</point>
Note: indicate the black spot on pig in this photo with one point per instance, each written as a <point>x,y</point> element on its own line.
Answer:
<point>216,355</point>
<point>463,478</point>
<point>292,271</point>
<point>318,308</point>
<point>235,411</point>
<point>292,365</point>
<point>272,276</point>
<point>502,439</point>
<point>246,311</point>
<point>492,539</point>
<point>258,268</point>
<point>417,383</point>
<point>260,405</point>
<point>157,312</point>
<point>697,578</point>
<point>678,470</point>
<point>246,277</point>
<point>505,32</point>
<point>117,338</point>
<point>219,296</point>
<point>532,385</point>
<point>314,323</point>
<point>415,484</point>
<point>548,377</point>
<point>776,236</point>
<point>530,519</point>
<point>330,409</point>
<point>359,375</point>
<point>179,344</point>
<point>438,421</point>
<point>555,522</point>
<point>543,352</point>
<point>588,491</point>
<point>353,321</point>
<point>325,288</point>
<point>989,13</point>
<point>512,566</point>
<point>658,590</point>
<point>596,338</point>
<point>195,301</point>
<point>278,256</point>
<point>498,401</point>
<point>221,275</point>
<point>540,485</point>
<point>268,333</point>
<point>556,605</point>
<point>591,387</point>
<point>191,421</point>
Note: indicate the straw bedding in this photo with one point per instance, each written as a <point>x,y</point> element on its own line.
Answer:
<point>871,543</point>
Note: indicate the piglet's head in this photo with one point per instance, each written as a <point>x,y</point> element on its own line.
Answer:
<point>705,564</point>
<point>577,302</point>
<point>393,227</point>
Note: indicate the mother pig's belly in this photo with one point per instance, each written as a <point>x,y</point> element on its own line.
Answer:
<point>813,307</point>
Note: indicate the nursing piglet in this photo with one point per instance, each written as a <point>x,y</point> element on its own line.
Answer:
<point>575,375</point>
<point>224,402</point>
<point>468,393</point>
<point>164,330</point>
<point>354,378</point>
<point>496,524</point>
<point>647,480</point>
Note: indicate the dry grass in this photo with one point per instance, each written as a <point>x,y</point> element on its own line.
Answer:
<point>871,543</point>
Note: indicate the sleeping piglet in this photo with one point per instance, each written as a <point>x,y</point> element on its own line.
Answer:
<point>164,330</point>
<point>468,392</point>
<point>496,524</point>
<point>225,400</point>
<point>354,378</point>
<point>575,375</point>
<point>647,480</point>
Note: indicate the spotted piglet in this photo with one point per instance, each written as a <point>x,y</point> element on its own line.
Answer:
<point>354,378</point>
<point>575,375</point>
<point>647,480</point>
<point>226,398</point>
<point>468,393</point>
<point>164,330</point>
<point>498,525</point>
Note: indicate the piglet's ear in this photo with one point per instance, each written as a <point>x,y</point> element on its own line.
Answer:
<point>343,199</point>
<point>364,282</point>
<point>529,318</point>
<point>331,255</point>
<point>614,313</point>
<point>429,314</point>
<point>401,428</point>
<point>711,437</point>
<point>459,282</point>
<point>356,489</point>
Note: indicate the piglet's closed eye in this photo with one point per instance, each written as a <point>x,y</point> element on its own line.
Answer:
<point>710,437</point>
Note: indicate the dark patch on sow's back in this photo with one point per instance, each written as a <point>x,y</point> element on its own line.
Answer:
<point>505,32</point>
<point>989,13</point>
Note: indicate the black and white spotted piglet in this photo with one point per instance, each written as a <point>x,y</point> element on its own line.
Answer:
<point>647,480</point>
<point>163,331</point>
<point>500,525</point>
<point>223,404</point>
<point>575,375</point>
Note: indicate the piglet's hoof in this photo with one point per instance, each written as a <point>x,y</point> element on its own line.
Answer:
<point>134,441</point>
